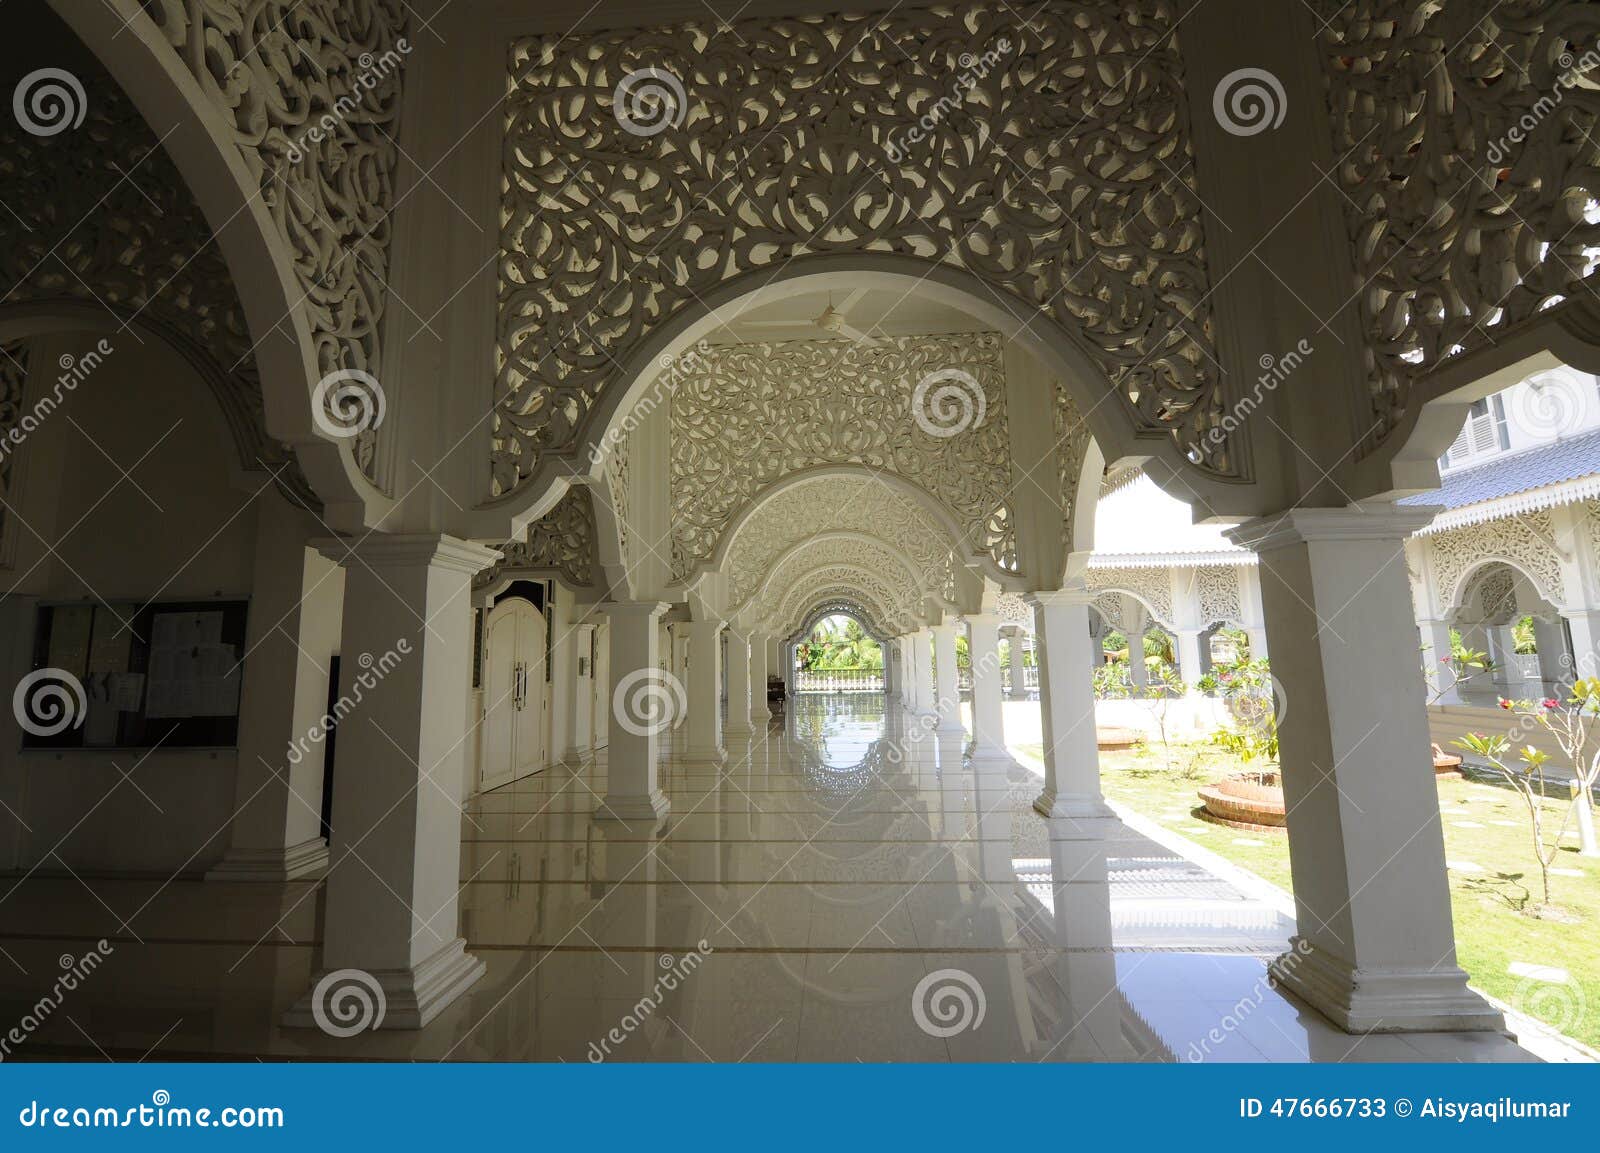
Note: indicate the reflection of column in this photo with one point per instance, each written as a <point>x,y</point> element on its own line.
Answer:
<point>922,671</point>
<point>988,719</point>
<point>705,693</point>
<point>1436,659</point>
<point>1189,662</point>
<point>1085,968</point>
<point>1376,947</point>
<point>759,713</point>
<point>947,694</point>
<point>1066,705</point>
<point>739,686</point>
<point>1019,671</point>
<point>637,687</point>
<point>392,886</point>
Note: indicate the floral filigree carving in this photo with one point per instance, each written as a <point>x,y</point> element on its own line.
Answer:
<point>13,383</point>
<point>312,90</point>
<point>1467,151</point>
<point>754,413</point>
<point>100,218</point>
<point>1060,180</point>
<point>562,540</point>
<point>1217,587</point>
<point>1520,541</point>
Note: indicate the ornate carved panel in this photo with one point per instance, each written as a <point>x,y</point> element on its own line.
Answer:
<point>1217,587</point>
<point>1519,541</point>
<point>1013,610</point>
<point>13,382</point>
<point>562,539</point>
<point>755,413</point>
<point>312,90</point>
<point>617,488</point>
<point>1072,445</point>
<point>100,217</point>
<point>837,504</point>
<point>1467,150</point>
<point>895,587</point>
<point>1151,585</point>
<point>841,582</point>
<point>1059,177</point>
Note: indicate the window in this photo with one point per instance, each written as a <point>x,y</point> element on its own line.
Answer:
<point>1484,434</point>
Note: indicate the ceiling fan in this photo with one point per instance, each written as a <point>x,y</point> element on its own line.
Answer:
<point>833,321</point>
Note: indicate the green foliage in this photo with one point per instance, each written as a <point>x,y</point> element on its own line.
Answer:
<point>839,642</point>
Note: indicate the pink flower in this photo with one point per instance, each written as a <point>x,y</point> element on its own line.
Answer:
<point>1504,704</point>
<point>1550,703</point>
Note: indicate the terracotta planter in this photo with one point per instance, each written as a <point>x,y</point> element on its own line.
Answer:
<point>1114,738</point>
<point>1445,764</point>
<point>1245,801</point>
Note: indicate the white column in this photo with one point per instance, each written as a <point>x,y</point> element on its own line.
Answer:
<point>922,671</point>
<point>1551,641</point>
<point>908,687</point>
<point>1375,947</point>
<point>891,684</point>
<point>295,608</point>
<point>643,702</point>
<point>947,696</point>
<point>760,714</point>
<point>406,645</point>
<point>741,690</point>
<point>1584,625</point>
<point>1019,670</point>
<point>1066,704</point>
<point>1435,656</point>
<point>1190,666</point>
<point>705,693</point>
<point>582,727</point>
<point>988,712</point>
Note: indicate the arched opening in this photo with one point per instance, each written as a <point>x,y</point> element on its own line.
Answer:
<point>835,652</point>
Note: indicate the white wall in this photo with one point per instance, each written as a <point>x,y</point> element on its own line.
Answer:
<point>175,528</point>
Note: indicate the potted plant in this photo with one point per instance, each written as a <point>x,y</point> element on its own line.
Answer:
<point>1253,797</point>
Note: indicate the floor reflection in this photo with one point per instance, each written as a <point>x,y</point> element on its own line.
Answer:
<point>847,887</point>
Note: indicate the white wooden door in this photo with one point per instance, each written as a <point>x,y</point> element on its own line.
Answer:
<point>515,695</point>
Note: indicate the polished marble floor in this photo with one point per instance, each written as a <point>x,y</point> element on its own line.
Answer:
<point>844,888</point>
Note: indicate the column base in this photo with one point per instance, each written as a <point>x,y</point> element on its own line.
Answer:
<point>1415,1000</point>
<point>738,728</point>
<point>989,754</point>
<point>577,754</point>
<point>760,721</point>
<point>625,807</point>
<point>410,997</point>
<point>1074,808</point>
<point>307,861</point>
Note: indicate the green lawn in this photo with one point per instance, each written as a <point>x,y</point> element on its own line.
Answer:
<point>1496,916</point>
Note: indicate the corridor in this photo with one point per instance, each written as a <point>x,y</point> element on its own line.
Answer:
<point>845,887</point>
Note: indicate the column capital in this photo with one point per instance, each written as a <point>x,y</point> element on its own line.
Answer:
<point>651,609</point>
<point>1357,522</point>
<point>992,619</point>
<point>1060,598</point>
<point>405,550</point>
